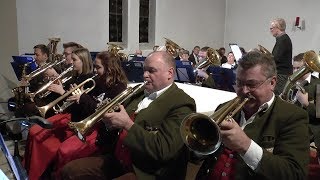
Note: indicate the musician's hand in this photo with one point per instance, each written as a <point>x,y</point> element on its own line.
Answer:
<point>233,137</point>
<point>119,119</point>
<point>51,72</point>
<point>302,98</point>
<point>24,82</point>
<point>57,88</point>
<point>202,73</point>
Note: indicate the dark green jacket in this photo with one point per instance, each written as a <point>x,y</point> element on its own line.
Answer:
<point>155,143</point>
<point>282,128</point>
<point>311,89</point>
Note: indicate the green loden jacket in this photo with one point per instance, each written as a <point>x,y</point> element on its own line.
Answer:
<point>155,143</point>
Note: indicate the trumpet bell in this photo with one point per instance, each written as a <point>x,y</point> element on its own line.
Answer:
<point>200,133</point>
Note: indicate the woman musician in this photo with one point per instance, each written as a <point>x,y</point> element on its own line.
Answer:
<point>111,81</point>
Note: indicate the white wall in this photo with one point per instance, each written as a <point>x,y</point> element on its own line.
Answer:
<point>82,21</point>
<point>186,22</point>
<point>248,22</point>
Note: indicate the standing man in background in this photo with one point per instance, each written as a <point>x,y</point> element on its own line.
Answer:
<point>282,52</point>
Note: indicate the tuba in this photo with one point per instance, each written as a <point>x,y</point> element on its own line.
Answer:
<point>312,63</point>
<point>172,48</point>
<point>201,133</point>
<point>43,109</point>
<point>84,127</point>
<point>113,48</point>
<point>52,46</point>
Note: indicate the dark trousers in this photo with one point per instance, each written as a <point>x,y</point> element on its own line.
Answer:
<point>281,81</point>
<point>101,167</point>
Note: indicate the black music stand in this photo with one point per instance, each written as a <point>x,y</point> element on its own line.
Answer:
<point>185,72</point>
<point>133,70</point>
<point>14,162</point>
<point>19,62</point>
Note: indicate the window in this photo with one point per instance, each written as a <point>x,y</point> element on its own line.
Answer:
<point>115,20</point>
<point>144,21</point>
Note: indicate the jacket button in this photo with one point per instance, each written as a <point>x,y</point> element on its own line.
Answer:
<point>230,155</point>
<point>227,165</point>
<point>223,174</point>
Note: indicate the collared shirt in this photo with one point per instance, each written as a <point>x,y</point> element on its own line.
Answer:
<point>228,66</point>
<point>147,100</point>
<point>254,153</point>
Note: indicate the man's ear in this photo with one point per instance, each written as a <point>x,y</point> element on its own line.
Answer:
<point>171,72</point>
<point>273,81</point>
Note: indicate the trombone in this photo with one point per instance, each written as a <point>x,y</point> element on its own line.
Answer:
<point>46,86</point>
<point>43,109</point>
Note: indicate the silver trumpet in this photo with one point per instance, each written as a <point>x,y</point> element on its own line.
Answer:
<point>46,86</point>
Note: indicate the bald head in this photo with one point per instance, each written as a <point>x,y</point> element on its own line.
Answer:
<point>159,69</point>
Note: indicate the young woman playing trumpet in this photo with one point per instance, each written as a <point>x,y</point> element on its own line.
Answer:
<point>42,145</point>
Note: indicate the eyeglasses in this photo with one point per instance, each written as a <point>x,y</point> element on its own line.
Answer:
<point>251,85</point>
<point>272,28</point>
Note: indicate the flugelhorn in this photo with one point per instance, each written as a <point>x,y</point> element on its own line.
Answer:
<point>43,109</point>
<point>201,133</point>
<point>84,127</point>
<point>312,63</point>
<point>46,86</point>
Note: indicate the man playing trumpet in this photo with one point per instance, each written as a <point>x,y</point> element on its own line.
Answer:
<point>268,138</point>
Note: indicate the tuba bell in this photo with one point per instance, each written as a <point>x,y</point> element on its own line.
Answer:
<point>172,47</point>
<point>113,48</point>
<point>312,63</point>
<point>201,133</point>
<point>84,127</point>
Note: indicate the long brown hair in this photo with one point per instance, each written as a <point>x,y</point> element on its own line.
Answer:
<point>85,57</point>
<point>113,72</point>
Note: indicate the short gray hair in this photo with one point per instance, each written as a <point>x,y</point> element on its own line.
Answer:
<point>280,23</point>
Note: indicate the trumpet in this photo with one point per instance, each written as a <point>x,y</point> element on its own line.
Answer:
<point>43,109</point>
<point>83,127</point>
<point>46,86</point>
<point>42,69</point>
<point>201,133</point>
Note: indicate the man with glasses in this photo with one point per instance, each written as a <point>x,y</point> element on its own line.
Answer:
<point>282,52</point>
<point>268,138</point>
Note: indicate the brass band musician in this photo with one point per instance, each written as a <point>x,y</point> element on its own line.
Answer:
<point>268,139</point>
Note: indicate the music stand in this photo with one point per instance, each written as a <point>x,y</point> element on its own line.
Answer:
<point>185,72</point>
<point>224,78</point>
<point>133,70</point>
<point>14,162</point>
<point>20,61</point>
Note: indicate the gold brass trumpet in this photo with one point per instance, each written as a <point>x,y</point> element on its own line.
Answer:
<point>312,63</point>
<point>201,133</point>
<point>42,69</point>
<point>46,86</point>
<point>43,109</point>
<point>84,127</point>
